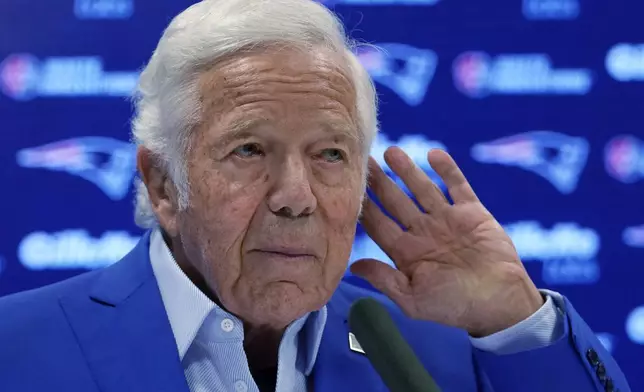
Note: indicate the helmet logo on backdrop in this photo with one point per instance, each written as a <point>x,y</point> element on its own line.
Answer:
<point>558,158</point>
<point>477,75</point>
<point>406,70</point>
<point>107,163</point>
<point>24,77</point>
<point>624,158</point>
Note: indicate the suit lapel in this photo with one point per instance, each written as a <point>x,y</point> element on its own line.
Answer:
<point>337,367</point>
<point>123,329</point>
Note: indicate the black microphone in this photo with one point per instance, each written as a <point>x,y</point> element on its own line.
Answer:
<point>387,350</point>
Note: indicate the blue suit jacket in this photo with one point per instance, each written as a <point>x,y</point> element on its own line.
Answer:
<point>107,330</point>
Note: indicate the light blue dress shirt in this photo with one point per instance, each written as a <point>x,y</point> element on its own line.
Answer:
<point>210,340</point>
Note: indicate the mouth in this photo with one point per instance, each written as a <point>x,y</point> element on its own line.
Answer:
<point>286,253</point>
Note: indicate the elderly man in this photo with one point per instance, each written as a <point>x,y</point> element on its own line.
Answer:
<point>254,122</point>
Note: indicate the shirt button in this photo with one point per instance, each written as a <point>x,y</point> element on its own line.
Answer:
<point>227,325</point>
<point>240,386</point>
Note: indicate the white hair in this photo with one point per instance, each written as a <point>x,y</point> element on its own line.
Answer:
<point>167,98</point>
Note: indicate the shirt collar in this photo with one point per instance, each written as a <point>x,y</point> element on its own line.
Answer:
<point>188,307</point>
<point>313,329</point>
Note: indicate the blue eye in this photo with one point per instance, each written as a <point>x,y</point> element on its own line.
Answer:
<point>332,155</point>
<point>248,150</point>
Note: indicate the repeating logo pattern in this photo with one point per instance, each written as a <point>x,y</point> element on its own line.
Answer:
<point>406,70</point>
<point>477,75</point>
<point>107,163</point>
<point>73,249</point>
<point>25,77</point>
<point>514,105</point>
<point>557,157</point>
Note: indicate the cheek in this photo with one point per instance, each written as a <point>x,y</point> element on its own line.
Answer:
<point>341,199</point>
<point>219,216</point>
<point>226,192</point>
<point>340,206</point>
<point>222,210</point>
<point>226,207</point>
<point>330,175</point>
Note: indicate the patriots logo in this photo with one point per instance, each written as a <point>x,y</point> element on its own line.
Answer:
<point>107,163</point>
<point>558,158</point>
<point>406,70</point>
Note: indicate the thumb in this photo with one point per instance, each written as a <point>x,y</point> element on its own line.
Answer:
<point>383,277</point>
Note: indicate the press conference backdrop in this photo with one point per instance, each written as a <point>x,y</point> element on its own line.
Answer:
<point>540,102</point>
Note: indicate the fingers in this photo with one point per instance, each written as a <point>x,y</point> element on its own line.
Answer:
<point>383,277</point>
<point>384,231</point>
<point>392,198</point>
<point>426,192</point>
<point>459,188</point>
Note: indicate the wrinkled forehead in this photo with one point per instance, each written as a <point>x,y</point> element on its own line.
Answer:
<point>286,60</point>
<point>254,73</point>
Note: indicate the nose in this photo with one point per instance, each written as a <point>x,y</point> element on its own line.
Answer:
<point>291,195</point>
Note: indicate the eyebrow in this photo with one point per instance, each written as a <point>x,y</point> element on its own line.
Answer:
<point>239,129</point>
<point>343,130</point>
<point>244,128</point>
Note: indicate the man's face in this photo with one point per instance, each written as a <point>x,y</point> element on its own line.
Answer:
<point>275,175</point>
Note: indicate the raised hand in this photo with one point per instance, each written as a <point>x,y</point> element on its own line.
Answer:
<point>455,263</point>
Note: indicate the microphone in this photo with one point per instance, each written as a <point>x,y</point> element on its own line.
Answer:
<point>387,350</point>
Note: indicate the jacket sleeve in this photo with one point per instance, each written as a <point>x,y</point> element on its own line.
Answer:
<point>577,361</point>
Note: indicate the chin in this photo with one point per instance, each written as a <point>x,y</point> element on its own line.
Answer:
<point>280,303</point>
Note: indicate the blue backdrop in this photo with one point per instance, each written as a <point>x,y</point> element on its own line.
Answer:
<point>539,101</point>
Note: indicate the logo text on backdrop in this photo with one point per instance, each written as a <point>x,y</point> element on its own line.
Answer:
<point>74,249</point>
<point>24,77</point>
<point>103,9</point>
<point>477,75</point>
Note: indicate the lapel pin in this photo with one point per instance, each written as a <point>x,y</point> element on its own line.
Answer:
<point>354,345</point>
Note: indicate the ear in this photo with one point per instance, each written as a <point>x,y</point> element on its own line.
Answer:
<point>161,190</point>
